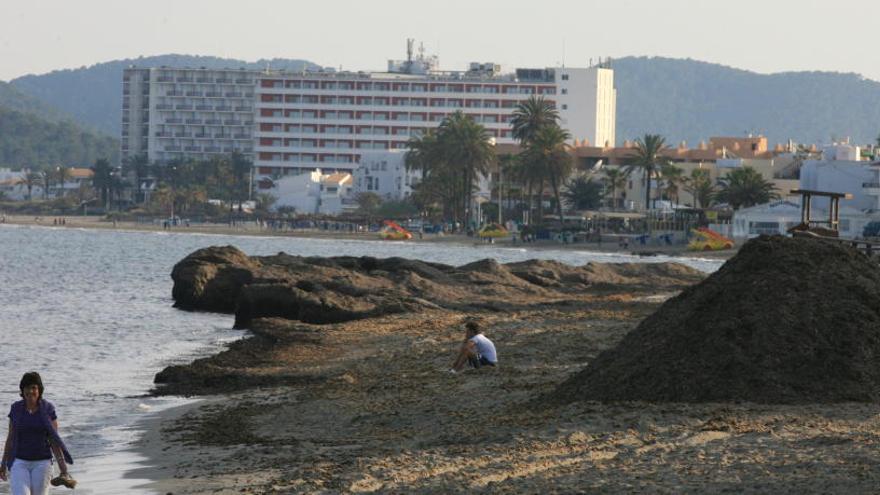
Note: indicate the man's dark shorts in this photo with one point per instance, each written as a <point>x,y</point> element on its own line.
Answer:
<point>478,362</point>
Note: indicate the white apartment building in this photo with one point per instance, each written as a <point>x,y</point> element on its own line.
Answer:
<point>170,113</point>
<point>329,119</point>
<point>293,122</point>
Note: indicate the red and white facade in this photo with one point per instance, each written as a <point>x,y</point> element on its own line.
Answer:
<point>293,123</point>
<point>327,120</point>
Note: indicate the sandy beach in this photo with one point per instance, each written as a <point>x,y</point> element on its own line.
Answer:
<point>609,245</point>
<point>387,417</point>
<point>368,406</point>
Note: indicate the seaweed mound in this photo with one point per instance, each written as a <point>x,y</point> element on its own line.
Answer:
<point>787,320</point>
<point>336,289</point>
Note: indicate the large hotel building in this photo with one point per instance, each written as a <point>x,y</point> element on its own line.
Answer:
<point>291,123</point>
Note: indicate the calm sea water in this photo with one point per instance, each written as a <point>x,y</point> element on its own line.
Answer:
<point>92,312</point>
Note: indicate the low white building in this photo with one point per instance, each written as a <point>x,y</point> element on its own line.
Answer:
<point>842,176</point>
<point>779,216</point>
<point>385,173</point>
<point>311,192</point>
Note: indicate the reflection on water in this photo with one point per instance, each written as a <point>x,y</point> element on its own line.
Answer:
<point>91,311</point>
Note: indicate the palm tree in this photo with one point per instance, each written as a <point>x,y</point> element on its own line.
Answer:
<point>46,177</point>
<point>467,150</point>
<point>530,116</point>
<point>648,157</point>
<point>673,178</point>
<point>583,193</point>
<point>28,181</point>
<point>139,167</point>
<point>62,175</point>
<point>548,153</point>
<point>700,186</point>
<point>437,184</point>
<point>103,179</point>
<point>615,178</point>
<point>744,187</point>
<point>241,168</point>
<point>265,201</point>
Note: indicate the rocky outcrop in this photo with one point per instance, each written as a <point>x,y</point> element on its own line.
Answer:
<point>211,279</point>
<point>336,289</point>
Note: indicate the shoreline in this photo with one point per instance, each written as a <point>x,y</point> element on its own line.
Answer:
<point>250,229</point>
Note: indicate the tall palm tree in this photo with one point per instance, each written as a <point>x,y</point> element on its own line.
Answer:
<point>138,166</point>
<point>47,178</point>
<point>673,180</point>
<point>437,184</point>
<point>744,187</point>
<point>548,152</point>
<point>103,179</point>
<point>648,158</point>
<point>467,149</point>
<point>530,116</point>
<point>615,179</point>
<point>700,186</point>
<point>62,175</point>
<point>29,180</point>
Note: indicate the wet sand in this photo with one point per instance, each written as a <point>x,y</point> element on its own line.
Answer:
<point>369,407</point>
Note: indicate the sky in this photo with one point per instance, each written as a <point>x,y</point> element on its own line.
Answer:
<point>38,36</point>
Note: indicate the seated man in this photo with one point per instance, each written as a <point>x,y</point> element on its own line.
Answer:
<point>477,350</point>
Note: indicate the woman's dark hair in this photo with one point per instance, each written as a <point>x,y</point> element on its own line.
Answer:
<point>31,378</point>
<point>472,326</point>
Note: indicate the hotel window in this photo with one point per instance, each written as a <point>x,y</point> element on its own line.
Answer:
<point>564,91</point>
<point>565,77</point>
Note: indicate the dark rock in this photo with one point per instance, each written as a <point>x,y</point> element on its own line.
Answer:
<point>210,279</point>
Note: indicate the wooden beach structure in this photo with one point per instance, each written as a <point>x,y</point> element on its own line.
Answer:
<point>829,229</point>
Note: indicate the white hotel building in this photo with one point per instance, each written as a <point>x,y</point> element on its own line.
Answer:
<point>295,122</point>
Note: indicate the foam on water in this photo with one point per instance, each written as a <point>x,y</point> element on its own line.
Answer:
<point>91,310</point>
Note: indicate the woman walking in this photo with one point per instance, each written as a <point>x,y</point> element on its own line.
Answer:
<point>31,442</point>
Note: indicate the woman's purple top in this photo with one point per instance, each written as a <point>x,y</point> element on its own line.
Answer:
<point>33,432</point>
<point>33,439</point>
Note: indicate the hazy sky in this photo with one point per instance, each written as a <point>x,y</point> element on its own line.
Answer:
<point>37,36</point>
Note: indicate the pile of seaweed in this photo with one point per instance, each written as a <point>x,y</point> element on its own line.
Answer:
<point>787,320</point>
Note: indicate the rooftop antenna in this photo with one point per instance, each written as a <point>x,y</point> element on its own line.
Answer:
<point>409,49</point>
<point>563,52</point>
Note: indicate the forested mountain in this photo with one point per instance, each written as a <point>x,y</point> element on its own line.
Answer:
<point>14,99</point>
<point>691,100</point>
<point>93,95</point>
<point>680,99</point>
<point>27,140</point>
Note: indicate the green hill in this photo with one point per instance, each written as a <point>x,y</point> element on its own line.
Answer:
<point>12,98</point>
<point>691,100</point>
<point>93,95</point>
<point>680,99</point>
<point>28,140</point>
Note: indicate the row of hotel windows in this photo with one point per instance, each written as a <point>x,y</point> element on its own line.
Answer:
<point>201,78</point>
<point>507,88</point>
<point>208,92</point>
<point>393,101</point>
<point>203,106</point>
<point>325,143</point>
<point>207,120</point>
<point>359,129</point>
<point>394,116</point>
<point>306,158</point>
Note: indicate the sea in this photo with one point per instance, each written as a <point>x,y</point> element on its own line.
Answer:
<point>91,311</point>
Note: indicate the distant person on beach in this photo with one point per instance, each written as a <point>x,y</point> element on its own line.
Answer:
<point>31,441</point>
<point>477,350</point>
